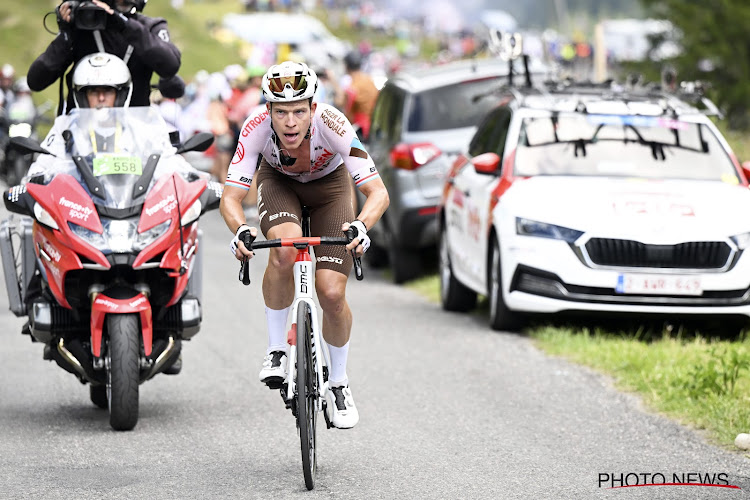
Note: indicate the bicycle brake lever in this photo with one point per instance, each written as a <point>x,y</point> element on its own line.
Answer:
<point>351,233</point>
<point>247,240</point>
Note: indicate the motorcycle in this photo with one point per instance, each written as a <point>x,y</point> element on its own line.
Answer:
<point>106,258</point>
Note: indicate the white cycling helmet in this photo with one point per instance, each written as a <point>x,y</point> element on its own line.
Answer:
<point>102,70</point>
<point>288,82</point>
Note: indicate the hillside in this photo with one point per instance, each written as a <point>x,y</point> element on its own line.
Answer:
<point>23,37</point>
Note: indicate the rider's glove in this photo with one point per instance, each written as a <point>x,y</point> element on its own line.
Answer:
<point>237,238</point>
<point>361,234</point>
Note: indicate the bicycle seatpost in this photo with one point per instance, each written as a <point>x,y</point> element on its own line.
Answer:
<point>247,240</point>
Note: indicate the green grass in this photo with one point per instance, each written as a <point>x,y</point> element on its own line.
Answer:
<point>702,383</point>
<point>23,38</point>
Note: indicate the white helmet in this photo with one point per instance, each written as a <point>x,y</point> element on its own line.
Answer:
<point>288,82</point>
<point>102,70</point>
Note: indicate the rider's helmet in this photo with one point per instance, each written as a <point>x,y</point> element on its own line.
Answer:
<point>102,70</point>
<point>21,86</point>
<point>288,82</point>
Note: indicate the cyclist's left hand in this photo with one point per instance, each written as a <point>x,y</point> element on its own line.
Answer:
<point>361,241</point>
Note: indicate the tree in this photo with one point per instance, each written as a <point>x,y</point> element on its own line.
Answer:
<point>715,48</point>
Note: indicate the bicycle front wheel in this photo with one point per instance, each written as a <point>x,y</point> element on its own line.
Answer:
<point>307,393</point>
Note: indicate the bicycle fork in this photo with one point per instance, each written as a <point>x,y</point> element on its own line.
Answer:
<point>303,282</point>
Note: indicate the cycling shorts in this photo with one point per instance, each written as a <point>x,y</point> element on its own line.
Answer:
<point>280,199</point>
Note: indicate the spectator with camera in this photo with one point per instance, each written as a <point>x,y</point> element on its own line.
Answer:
<point>116,27</point>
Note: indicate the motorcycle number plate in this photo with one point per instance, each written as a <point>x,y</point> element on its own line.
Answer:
<point>114,164</point>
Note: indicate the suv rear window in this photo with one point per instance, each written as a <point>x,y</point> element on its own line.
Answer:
<point>452,106</point>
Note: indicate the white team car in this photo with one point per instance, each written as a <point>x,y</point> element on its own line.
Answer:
<point>583,200</point>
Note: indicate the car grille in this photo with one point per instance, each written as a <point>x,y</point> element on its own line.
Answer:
<point>626,253</point>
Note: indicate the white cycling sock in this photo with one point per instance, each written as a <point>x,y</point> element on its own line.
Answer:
<point>339,355</point>
<point>276,323</point>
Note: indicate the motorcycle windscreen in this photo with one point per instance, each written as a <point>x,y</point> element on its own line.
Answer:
<point>116,144</point>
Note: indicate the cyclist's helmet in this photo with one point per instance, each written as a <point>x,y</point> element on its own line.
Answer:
<point>288,82</point>
<point>102,70</point>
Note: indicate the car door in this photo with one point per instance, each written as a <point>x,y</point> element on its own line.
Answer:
<point>460,209</point>
<point>478,188</point>
<point>386,118</point>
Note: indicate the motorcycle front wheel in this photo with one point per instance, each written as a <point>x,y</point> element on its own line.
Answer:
<point>123,370</point>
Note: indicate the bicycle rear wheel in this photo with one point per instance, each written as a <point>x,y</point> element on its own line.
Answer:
<point>307,394</point>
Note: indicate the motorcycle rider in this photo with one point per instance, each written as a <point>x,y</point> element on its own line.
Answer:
<point>309,153</point>
<point>141,41</point>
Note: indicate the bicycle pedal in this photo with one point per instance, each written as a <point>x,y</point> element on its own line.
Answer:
<point>274,383</point>
<point>325,416</point>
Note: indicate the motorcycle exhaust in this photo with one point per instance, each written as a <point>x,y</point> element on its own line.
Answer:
<point>73,362</point>
<point>165,356</point>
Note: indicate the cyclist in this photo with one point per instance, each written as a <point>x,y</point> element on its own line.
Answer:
<point>307,152</point>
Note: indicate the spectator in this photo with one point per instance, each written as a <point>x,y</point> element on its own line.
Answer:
<point>360,95</point>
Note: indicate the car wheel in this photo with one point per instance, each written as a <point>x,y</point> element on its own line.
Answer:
<point>501,318</point>
<point>453,294</point>
<point>405,264</point>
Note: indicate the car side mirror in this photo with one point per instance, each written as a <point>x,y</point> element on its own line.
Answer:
<point>486,163</point>
<point>199,142</point>
<point>26,145</point>
<point>746,169</point>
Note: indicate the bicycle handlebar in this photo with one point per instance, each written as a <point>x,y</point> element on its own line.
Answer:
<point>299,243</point>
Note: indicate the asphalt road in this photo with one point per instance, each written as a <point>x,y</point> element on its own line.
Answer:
<point>449,409</point>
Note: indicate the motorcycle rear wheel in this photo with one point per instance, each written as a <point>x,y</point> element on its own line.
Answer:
<point>98,395</point>
<point>123,372</point>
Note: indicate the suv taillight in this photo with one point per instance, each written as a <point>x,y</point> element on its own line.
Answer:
<point>413,156</point>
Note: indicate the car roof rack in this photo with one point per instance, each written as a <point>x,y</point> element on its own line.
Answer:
<point>674,100</point>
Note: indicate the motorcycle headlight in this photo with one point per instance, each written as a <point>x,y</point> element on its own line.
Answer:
<point>742,240</point>
<point>120,235</point>
<point>145,238</point>
<point>191,213</point>
<point>529,227</point>
<point>44,217</point>
<point>94,239</point>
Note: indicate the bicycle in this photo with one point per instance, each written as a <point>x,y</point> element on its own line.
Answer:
<point>306,384</point>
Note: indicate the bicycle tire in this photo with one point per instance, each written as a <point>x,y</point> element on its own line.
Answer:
<point>307,394</point>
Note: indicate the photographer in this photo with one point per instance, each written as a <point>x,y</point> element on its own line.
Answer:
<point>116,27</point>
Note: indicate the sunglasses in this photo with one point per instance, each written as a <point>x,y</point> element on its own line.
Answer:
<point>277,84</point>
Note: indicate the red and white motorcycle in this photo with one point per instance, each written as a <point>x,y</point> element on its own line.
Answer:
<point>107,264</point>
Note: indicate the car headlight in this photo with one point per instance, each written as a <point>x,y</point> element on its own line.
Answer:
<point>528,227</point>
<point>145,238</point>
<point>44,217</point>
<point>191,213</point>
<point>741,240</point>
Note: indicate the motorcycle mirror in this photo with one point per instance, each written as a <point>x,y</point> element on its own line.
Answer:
<point>199,142</point>
<point>27,146</point>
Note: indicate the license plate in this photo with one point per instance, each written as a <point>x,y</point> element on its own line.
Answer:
<point>658,284</point>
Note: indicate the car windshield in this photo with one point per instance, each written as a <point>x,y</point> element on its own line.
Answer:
<point>621,146</point>
<point>451,106</point>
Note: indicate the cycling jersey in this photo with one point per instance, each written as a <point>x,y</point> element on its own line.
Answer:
<point>332,142</point>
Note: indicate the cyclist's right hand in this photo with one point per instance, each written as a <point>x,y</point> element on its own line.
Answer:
<point>241,242</point>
